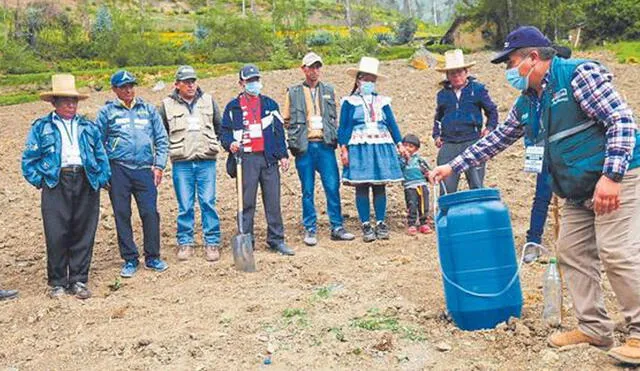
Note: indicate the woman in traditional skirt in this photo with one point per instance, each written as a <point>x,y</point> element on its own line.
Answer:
<point>370,141</point>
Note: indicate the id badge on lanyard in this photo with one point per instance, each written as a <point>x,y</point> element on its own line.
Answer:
<point>533,159</point>
<point>370,118</point>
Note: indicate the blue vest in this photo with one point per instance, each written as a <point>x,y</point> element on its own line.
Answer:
<point>575,145</point>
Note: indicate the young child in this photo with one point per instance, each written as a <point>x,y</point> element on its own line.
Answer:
<point>416,191</point>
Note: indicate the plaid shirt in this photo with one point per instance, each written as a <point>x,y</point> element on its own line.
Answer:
<point>594,92</point>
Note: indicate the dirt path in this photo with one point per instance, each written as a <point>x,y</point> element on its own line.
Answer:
<point>338,305</point>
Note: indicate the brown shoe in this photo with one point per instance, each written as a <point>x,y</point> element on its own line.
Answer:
<point>573,337</point>
<point>80,291</point>
<point>211,253</point>
<point>185,252</point>
<point>627,353</point>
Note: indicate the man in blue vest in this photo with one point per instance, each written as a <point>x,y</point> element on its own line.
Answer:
<point>137,145</point>
<point>590,143</point>
<point>309,114</point>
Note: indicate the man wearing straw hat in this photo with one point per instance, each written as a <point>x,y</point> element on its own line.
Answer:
<point>592,147</point>
<point>458,122</point>
<point>310,117</point>
<point>137,144</point>
<point>64,157</point>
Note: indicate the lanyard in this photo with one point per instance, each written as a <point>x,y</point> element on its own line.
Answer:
<point>314,103</point>
<point>369,108</point>
<point>69,133</point>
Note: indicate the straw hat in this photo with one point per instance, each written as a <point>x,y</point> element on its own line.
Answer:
<point>453,60</point>
<point>367,65</point>
<point>62,85</point>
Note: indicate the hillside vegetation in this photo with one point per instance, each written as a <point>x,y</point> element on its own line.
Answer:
<point>151,38</point>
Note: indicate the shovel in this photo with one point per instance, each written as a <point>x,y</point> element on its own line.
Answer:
<point>242,244</point>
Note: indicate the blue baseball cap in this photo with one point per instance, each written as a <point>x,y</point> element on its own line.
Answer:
<point>521,37</point>
<point>121,78</point>
<point>248,71</point>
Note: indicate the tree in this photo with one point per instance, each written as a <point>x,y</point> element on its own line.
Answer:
<point>347,10</point>
<point>289,15</point>
<point>103,23</point>
<point>405,31</point>
<point>612,20</point>
<point>553,17</point>
<point>362,16</point>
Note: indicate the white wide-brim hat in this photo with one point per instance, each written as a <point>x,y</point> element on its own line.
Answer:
<point>454,60</point>
<point>62,85</point>
<point>367,65</point>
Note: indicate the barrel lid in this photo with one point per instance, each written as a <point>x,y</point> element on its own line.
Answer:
<point>480,194</point>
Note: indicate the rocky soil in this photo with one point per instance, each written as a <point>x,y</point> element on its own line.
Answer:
<point>334,306</point>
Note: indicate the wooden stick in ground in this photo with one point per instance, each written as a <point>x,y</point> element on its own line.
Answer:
<point>556,234</point>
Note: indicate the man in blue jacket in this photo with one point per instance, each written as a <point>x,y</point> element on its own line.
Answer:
<point>253,126</point>
<point>591,145</point>
<point>458,121</point>
<point>137,145</point>
<point>64,157</point>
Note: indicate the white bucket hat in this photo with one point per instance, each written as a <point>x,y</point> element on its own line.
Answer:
<point>454,60</point>
<point>62,85</point>
<point>367,65</point>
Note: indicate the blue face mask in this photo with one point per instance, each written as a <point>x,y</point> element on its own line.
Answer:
<point>514,78</point>
<point>253,87</point>
<point>367,87</point>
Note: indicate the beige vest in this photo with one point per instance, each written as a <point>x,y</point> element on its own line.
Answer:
<point>191,135</point>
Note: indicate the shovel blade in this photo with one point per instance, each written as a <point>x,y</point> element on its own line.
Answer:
<point>242,248</point>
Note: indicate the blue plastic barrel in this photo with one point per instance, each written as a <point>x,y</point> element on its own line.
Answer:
<point>478,259</point>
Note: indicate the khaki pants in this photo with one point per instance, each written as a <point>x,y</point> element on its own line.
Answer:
<point>586,241</point>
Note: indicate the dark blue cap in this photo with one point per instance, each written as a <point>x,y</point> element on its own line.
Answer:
<point>122,77</point>
<point>248,71</point>
<point>521,37</point>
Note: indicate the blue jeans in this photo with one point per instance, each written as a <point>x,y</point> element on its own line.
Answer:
<point>321,158</point>
<point>190,177</point>
<point>540,206</point>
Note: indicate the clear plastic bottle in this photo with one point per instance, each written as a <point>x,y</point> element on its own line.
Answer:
<point>552,289</point>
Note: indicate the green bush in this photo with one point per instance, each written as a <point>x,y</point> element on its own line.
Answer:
<point>395,52</point>
<point>319,38</point>
<point>612,20</point>
<point>405,31</point>
<point>17,57</point>
<point>234,38</point>
<point>77,64</point>
<point>384,38</point>
<point>441,48</point>
<point>351,48</point>
<point>279,55</point>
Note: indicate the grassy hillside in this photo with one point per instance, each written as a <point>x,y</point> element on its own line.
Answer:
<point>153,37</point>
